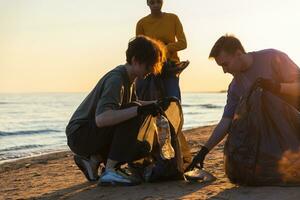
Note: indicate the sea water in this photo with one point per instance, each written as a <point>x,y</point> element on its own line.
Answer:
<point>34,124</point>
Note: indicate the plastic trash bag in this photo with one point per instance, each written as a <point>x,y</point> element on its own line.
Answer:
<point>167,169</point>
<point>262,147</point>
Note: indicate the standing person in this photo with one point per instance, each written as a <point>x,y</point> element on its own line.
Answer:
<point>167,28</point>
<point>275,70</point>
<point>105,125</point>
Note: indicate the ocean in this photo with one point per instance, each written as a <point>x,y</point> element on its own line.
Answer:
<point>34,124</point>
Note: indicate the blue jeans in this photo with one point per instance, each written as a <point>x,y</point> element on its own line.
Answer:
<point>148,89</point>
<point>172,86</point>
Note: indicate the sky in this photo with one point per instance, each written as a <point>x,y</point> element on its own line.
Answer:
<point>68,45</point>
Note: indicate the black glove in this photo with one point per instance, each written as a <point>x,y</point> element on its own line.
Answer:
<point>198,159</point>
<point>269,85</point>
<point>164,103</point>
<point>150,109</point>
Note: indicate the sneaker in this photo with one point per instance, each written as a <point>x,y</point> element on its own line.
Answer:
<point>88,166</point>
<point>164,138</point>
<point>117,178</point>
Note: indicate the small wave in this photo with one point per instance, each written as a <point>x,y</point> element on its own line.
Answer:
<point>192,113</point>
<point>6,103</point>
<point>16,148</point>
<point>210,106</point>
<point>3,133</point>
<point>4,157</point>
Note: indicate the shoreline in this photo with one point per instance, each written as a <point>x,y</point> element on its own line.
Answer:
<point>22,162</point>
<point>49,151</point>
<point>55,176</point>
<point>2,162</point>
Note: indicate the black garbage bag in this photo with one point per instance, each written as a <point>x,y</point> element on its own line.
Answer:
<point>262,146</point>
<point>173,168</point>
<point>153,87</point>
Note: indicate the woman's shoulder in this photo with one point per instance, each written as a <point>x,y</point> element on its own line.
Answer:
<point>145,18</point>
<point>172,15</point>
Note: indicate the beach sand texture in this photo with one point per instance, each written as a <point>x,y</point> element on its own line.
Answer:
<point>55,176</point>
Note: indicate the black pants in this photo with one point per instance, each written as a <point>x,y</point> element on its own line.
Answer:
<point>118,142</point>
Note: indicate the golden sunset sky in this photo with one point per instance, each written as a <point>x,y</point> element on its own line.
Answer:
<point>67,45</point>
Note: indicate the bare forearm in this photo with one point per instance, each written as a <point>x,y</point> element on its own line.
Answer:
<point>292,89</point>
<point>113,117</point>
<point>146,102</point>
<point>218,134</point>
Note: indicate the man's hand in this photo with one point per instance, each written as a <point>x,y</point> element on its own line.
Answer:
<point>198,159</point>
<point>269,85</point>
<point>149,109</point>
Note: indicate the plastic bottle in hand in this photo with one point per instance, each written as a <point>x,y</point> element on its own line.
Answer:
<point>164,138</point>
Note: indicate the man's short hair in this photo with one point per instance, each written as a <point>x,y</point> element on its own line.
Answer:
<point>228,44</point>
<point>147,51</point>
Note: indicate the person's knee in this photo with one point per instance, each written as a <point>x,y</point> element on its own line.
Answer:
<point>73,147</point>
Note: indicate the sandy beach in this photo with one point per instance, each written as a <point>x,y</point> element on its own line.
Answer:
<point>55,176</point>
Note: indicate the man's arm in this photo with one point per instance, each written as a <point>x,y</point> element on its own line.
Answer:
<point>292,89</point>
<point>219,133</point>
<point>146,102</point>
<point>221,130</point>
<point>113,117</point>
<point>139,29</point>
<point>289,74</point>
<point>216,137</point>
<point>181,43</point>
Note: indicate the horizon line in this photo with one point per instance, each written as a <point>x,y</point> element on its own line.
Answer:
<point>220,91</point>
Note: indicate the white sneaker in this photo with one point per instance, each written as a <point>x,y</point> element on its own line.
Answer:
<point>117,178</point>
